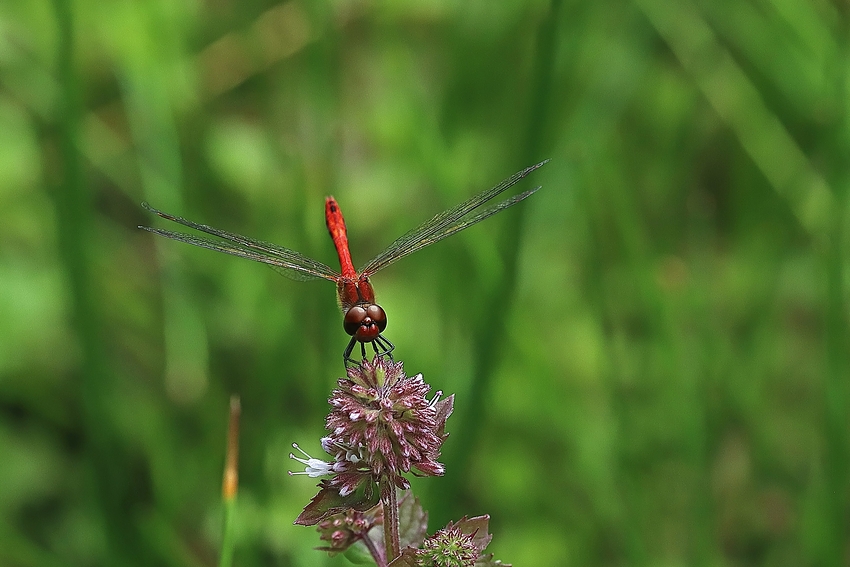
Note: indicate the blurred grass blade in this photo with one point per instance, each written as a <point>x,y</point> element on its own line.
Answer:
<point>105,457</point>
<point>740,105</point>
<point>230,483</point>
<point>487,334</point>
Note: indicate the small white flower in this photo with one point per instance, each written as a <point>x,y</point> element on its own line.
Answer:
<point>352,454</point>
<point>315,467</point>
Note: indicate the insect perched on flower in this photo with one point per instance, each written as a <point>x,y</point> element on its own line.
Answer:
<point>364,320</point>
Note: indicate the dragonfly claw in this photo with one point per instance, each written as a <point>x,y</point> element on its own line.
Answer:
<point>381,345</point>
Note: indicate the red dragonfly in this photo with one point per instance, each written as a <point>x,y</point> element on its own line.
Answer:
<point>364,320</point>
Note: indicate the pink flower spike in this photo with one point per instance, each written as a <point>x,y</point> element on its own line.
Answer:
<point>389,418</point>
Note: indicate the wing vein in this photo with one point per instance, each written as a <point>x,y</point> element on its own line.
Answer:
<point>449,222</point>
<point>287,262</point>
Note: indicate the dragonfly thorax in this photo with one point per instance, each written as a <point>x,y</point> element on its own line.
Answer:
<point>365,321</point>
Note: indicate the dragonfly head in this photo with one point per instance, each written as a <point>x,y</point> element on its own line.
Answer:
<point>365,321</point>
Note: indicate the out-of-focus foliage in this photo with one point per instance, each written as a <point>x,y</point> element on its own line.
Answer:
<point>650,355</point>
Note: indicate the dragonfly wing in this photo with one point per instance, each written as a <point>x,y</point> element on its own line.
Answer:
<point>449,222</point>
<point>289,263</point>
<point>467,222</point>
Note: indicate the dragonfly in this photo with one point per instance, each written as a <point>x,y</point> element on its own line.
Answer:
<point>363,319</point>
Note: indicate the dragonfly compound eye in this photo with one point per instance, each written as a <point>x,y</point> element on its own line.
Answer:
<point>378,316</point>
<point>365,323</point>
<point>353,318</point>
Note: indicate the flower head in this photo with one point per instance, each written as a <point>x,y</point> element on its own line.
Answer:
<point>343,530</point>
<point>381,425</point>
<point>382,422</point>
<point>459,544</point>
<point>449,547</point>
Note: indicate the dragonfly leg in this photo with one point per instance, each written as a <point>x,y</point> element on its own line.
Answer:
<point>383,347</point>
<point>346,356</point>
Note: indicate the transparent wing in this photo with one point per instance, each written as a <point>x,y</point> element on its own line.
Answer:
<point>449,222</point>
<point>289,263</point>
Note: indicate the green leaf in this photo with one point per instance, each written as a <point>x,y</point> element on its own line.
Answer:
<point>412,521</point>
<point>476,526</point>
<point>407,558</point>
<point>358,554</point>
<point>329,502</point>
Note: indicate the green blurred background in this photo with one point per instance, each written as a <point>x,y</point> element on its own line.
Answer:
<point>650,355</point>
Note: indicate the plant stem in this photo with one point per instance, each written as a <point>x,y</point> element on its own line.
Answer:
<point>377,554</point>
<point>227,542</point>
<point>390,505</point>
<point>230,484</point>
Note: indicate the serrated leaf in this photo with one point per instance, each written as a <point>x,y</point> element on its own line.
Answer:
<point>444,409</point>
<point>407,558</point>
<point>329,502</point>
<point>412,521</point>
<point>478,526</point>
